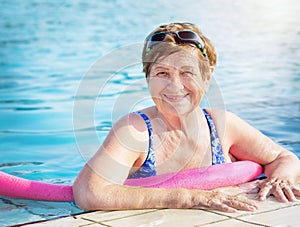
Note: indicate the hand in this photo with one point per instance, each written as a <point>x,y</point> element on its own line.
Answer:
<point>283,190</point>
<point>228,203</point>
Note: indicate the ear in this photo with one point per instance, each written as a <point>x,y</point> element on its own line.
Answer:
<point>208,78</point>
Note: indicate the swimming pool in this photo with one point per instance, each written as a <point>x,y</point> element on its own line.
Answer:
<point>49,48</point>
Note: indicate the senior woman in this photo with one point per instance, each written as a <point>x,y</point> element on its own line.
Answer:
<point>177,134</point>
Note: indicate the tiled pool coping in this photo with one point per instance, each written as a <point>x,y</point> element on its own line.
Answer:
<point>271,213</point>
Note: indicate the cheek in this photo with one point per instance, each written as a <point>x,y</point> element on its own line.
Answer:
<point>198,91</point>
<point>155,86</point>
<point>196,86</point>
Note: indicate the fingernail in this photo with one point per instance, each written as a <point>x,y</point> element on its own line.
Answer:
<point>232,210</point>
<point>252,208</point>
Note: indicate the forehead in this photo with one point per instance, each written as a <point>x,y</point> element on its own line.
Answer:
<point>179,59</point>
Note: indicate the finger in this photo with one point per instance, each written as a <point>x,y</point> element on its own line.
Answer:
<point>279,194</point>
<point>289,194</point>
<point>296,191</point>
<point>264,192</point>
<point>247,202</point>
<point>251,187</point>
<point>242,204</point>
<point>219,205</point>
<point>224,207</point>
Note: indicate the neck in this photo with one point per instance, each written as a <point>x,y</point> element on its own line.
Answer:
<point>184,122</point>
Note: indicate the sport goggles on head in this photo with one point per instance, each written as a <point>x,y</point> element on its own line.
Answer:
<point>181,37</point>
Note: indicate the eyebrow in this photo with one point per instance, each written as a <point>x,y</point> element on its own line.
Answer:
<point>167,67</point>
<point>160,67</point>
<point>188,67</point>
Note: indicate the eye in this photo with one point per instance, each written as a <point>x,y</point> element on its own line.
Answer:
<point>162,74</point>
<point>187,73</point>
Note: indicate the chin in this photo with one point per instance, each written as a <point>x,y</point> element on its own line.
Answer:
<point>178,111</point>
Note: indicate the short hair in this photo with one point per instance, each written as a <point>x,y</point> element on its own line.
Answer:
<point>170,46</point>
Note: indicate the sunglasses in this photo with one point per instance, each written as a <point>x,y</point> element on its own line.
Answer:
<point>181,37</point>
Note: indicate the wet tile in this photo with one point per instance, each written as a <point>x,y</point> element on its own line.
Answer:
<point>282,217</point>
<point>17,216</point>
<point>168,217</point>
<point>70,206</point>
<point>32,210</point>
<point>6,205</point>
<point>100,216</point>
<point>62,222</point>
<point>52,210</point>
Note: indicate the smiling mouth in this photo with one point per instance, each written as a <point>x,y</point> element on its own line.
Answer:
<point>175,98</point>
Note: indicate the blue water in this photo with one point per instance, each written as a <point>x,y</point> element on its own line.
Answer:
<point>49,49</point>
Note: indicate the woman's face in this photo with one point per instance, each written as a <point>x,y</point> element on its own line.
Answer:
<point>176,84</point>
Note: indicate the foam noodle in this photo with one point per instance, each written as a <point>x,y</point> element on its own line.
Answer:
<point>16,187</point>
<point>200,178</point>
<point>204,178</point>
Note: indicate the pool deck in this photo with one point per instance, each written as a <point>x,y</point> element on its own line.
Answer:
<point>271,213</point>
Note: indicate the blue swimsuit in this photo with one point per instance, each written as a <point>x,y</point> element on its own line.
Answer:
<point>149,167</point>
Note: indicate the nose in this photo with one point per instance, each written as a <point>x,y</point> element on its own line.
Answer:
<point>176,82</point>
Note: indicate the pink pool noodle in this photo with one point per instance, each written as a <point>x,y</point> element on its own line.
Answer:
<point>16,187</point>
<point>204,178</point>
<point>200,178</point>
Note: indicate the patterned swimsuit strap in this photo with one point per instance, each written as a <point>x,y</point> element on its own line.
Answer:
<point>149,167</point>
<point>216,148</point>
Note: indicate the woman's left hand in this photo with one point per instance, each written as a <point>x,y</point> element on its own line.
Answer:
<point>283,190</point>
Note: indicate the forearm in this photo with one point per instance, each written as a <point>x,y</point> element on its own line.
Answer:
<point>89,196</point>
<point>286,166</point>
<point>92,192</point>
<point>118,197</point>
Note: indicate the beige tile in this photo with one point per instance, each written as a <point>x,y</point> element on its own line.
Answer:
<point>270,204</point>
<point>282,217</point>
<point>62,222</point>
<point>90,214</point>
<point>94,225</point>
<point>100,216</point>
<point>231,223</point>
<point>168,217</point>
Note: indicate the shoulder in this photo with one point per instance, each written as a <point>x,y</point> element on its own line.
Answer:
<point>220,119</point>
<point>233,130</point>
<point>223,117</point>
<point>131,132</point>
<point>227,121</point>
<point>229,126</point>
<point>132,121</point>
<point>126,142</point>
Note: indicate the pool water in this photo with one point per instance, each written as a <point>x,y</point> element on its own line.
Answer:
<point>50,49</point>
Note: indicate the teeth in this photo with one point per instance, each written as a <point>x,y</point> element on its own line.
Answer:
<point>175,98</point>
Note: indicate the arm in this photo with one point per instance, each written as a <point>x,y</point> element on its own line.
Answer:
<point>282,167</point>
<point>283,175</point>
<point>100,183</point>
<point>91,192</point>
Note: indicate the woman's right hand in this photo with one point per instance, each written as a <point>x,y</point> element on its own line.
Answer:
<point>221,201</point>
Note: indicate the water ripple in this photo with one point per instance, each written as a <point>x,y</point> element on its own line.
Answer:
<point>14,164</point>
